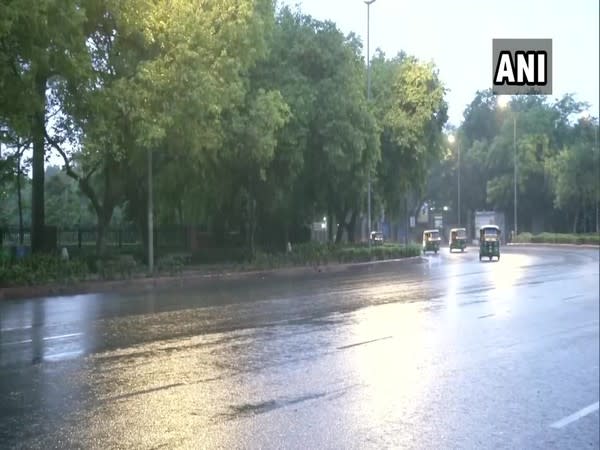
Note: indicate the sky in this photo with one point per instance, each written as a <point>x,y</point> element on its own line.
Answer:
<point>457,36</point>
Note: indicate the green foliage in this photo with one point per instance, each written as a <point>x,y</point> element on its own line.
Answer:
<point>411,111</point>
<point>556,159</point>
<point>40,269</point>
<point>312,254</point>
<point>559,238</point>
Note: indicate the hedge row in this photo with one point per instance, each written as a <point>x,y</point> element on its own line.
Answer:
<point>315,254</point>
<point>558,238</point>
<point>42,269</point>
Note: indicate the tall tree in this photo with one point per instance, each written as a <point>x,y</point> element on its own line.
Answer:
<point>411,112</point>
<point>41,42</point>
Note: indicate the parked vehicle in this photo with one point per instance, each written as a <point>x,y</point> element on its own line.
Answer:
<point>458,239</point>
<point>489,242</point>
<point>431,241</point>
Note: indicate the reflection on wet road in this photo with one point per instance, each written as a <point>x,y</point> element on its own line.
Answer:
<point>446,352</point>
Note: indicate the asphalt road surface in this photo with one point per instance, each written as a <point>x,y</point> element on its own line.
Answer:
<point>442,353</point>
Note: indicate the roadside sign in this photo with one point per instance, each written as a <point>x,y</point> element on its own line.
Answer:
<point>412,221</point>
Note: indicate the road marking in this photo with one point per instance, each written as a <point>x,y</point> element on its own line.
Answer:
<point>365,342</point>
<point>48,338</point>
<point>64,355</point>
<point>487,315</point>
<point>62,336</point>
<point>14,329</point>
<point>26,341</point>
<point>576,416</point>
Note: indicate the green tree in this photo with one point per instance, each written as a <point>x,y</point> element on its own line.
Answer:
<point>542,127</point>
<point>160,76</point>
<point>411,112</point>
<point>575,177</point>
<point>42,42</point>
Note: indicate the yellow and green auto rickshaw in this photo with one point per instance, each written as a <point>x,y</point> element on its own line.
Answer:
<point>431,241</point>
<point>489,242</point>
<point>458,239</point>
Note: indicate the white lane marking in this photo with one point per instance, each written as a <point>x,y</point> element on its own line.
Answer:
<point>14,329</point>
<point>65,355</point>
<point>48,338</point>
<point>62,336</point>
<point>576,416</point>
<point>26,341</point>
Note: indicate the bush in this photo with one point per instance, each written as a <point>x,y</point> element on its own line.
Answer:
<point>221,255</point>
<point>38,269</point>
<point>559,238</point>
<point>322,254</point>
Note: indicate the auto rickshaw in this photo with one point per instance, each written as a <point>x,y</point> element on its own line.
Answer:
<point>458,239</point>
<point>431,241</point>
<point>489,242</point>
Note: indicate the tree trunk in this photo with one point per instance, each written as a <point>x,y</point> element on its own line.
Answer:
<point>575,220</point>
<point>252,226</point>
<point>351,227</point>
<point>219,229</point>
<point>100,239</point>
<point>104,217</point>
<point>286,234</point>
<point>329,226</point>
<point>37,190</point>
<point>180,211</point>
<point>339,234</point>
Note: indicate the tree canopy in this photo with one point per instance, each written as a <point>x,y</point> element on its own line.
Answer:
<point>257,122</point>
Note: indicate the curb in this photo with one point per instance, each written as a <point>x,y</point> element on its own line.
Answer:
<point>144,283</point>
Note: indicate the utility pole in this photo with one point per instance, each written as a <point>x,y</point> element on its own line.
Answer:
<point>458,147</point>
<point>368,3</point>
<point>597,182</point>
<point>515,169</point>
<point>150,216</point>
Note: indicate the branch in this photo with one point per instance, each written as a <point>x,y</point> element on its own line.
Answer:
<point>84,184</point>
<point>65,158</point>
<point>91,172</point>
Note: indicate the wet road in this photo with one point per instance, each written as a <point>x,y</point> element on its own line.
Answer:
<point>443,353</point>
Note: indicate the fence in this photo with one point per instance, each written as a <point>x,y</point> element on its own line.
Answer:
<point>175,237</point>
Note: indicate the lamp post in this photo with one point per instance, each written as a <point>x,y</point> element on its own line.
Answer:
<point>515,170</point>
<point>597,200</point>
<point>150,216</point>
<point>503,103</point>
<point>368,3</point>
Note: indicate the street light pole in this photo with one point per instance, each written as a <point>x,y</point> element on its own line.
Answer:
<point>597,187</point>
<point>150,216</point>
<point>458,147</point>
<point>515,169</point>
<point>368,3</point>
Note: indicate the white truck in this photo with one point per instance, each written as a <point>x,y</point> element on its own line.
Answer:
<point>490,218</point>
